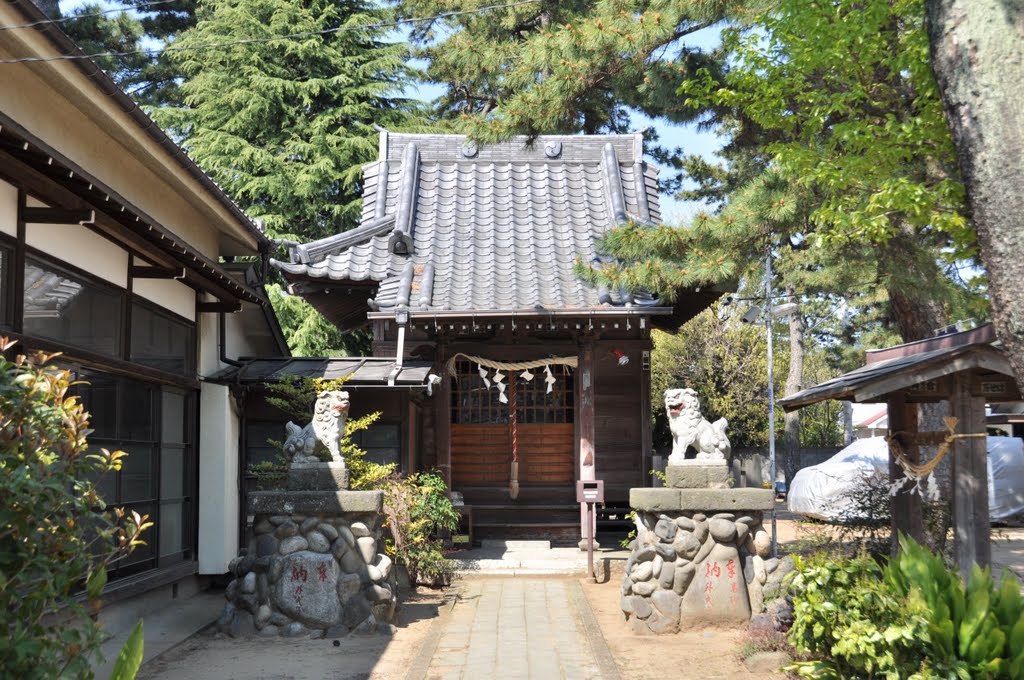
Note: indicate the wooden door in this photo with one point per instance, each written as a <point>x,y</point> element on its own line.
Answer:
<point>482,429</point>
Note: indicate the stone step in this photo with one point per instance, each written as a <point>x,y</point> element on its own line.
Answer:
<point>510,545</point>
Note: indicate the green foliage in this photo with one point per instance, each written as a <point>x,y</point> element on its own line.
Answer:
<point>284,125</point>
<point>119,32</point>
<point>130,657</point>
<point>56,534</point>
<point>564,67</point>
<point>726,361</point>
<point>417,508</point>
<point>851,623</point>
<point>912,618</point>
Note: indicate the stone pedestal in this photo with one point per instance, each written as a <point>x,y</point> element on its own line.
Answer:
<point>697,474</point>
<point>317,476</point>
<point>314,566</point>
<point>700,558</point>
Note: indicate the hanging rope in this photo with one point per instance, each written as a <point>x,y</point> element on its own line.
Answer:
<point>511,365</point>
<point>513,485</point>
<point>923,470</point>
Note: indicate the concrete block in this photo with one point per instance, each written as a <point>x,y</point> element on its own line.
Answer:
<point>726,500</point>
<point>697,476</point>
<point>317,477</point>
<point>315,502</point>
<point>654,500</point>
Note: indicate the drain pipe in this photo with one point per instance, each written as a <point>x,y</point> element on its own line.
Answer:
<point>401,318</point>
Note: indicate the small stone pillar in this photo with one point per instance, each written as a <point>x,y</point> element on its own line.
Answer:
<point>701,554</point>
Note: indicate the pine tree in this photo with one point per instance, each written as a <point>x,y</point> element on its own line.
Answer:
<point>283,124</point>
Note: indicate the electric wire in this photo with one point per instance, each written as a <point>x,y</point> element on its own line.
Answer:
<point>74,17</point>
<point>253,41</point>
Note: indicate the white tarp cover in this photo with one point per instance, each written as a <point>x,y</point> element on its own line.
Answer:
<point>823,491</point>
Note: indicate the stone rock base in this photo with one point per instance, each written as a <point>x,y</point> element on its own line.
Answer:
<point>311,575</point>
<point>695,568</point>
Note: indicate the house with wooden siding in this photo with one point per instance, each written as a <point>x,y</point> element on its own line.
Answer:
<point>117,251</point>
<point>465,258</point>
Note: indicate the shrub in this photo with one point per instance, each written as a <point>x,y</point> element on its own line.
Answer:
<point>56,536</point>
<point>912,618</point>
<point>417,508</point>
<point>850,623</point>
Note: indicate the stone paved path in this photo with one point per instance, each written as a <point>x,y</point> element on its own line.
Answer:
<point>518,629</point>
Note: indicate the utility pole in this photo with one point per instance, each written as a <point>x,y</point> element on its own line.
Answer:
<point>771,390</point>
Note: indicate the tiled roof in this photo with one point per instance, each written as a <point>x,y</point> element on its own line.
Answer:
<point>360,371</point>
<point>449,227</point>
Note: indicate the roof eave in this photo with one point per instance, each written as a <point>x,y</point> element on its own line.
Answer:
<point>524,313</point>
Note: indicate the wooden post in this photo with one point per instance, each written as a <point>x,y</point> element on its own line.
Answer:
<point>443,421</point>
<point>970,479</point>
<point>906,505</point>
<point>587,430</point>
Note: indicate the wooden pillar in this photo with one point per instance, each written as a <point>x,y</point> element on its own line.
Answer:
<point>905,505</point>
<point>970,479</point>
<point>443,419</point>
<point>587,428</point>
<point>646,440</point>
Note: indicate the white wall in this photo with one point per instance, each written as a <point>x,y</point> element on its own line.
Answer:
<point>219,503</point>
<point>169,294</point>
<point>8,209</point>
<point>79,246</point>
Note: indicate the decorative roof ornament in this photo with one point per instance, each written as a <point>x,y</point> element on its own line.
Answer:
<point>553,149</point>
<point>469,149</point>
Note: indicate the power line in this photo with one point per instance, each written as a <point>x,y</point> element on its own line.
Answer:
<point>253,41</point>
<point>61,20</point>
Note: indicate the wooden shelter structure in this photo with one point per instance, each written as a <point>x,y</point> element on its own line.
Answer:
<point>966,369</point>
<point>466,257</point>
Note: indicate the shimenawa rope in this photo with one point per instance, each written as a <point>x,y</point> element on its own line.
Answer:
<point>923,470</point>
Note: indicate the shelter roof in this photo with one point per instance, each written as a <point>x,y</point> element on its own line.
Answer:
<point>906,366</point>
<point>450,227</point>
<point>360,371</point>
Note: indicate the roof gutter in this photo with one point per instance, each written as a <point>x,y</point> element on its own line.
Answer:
<point>90,70</point>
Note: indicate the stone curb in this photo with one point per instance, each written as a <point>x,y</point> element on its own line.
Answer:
<point>420,665</point>
<point>598,646</point>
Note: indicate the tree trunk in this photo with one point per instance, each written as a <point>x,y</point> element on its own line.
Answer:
<point>977,49</point>
<point>794,383</point>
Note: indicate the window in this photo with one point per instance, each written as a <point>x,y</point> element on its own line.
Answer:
<point>68,308</point>
<point>382,443</point>
<point>161,341</point>
<point>6,285</point>
<point>154,425</point>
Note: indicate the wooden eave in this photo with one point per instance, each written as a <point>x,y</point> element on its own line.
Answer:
<point>924,377</point>
<point>116,218</point>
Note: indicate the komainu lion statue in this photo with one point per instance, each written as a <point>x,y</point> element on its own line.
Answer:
<point>689,428</point>
<point>300,446</point>
<point>329,416</point>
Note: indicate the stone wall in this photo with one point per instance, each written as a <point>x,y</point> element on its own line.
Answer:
<point>311,574</point>
<point>691,567</point>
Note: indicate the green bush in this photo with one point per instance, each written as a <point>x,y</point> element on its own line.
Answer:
<point>912,618</point>
<point>56,537</point>
<point>418,509</point>
<point>850,623</point>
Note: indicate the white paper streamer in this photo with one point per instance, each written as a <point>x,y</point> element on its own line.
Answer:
<point>483,374</point>
<point>526,375</point>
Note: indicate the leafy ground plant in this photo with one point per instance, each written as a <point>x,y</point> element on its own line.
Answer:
<point>56,535</point>
<point>911,618</point>
<point>418,509</point>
